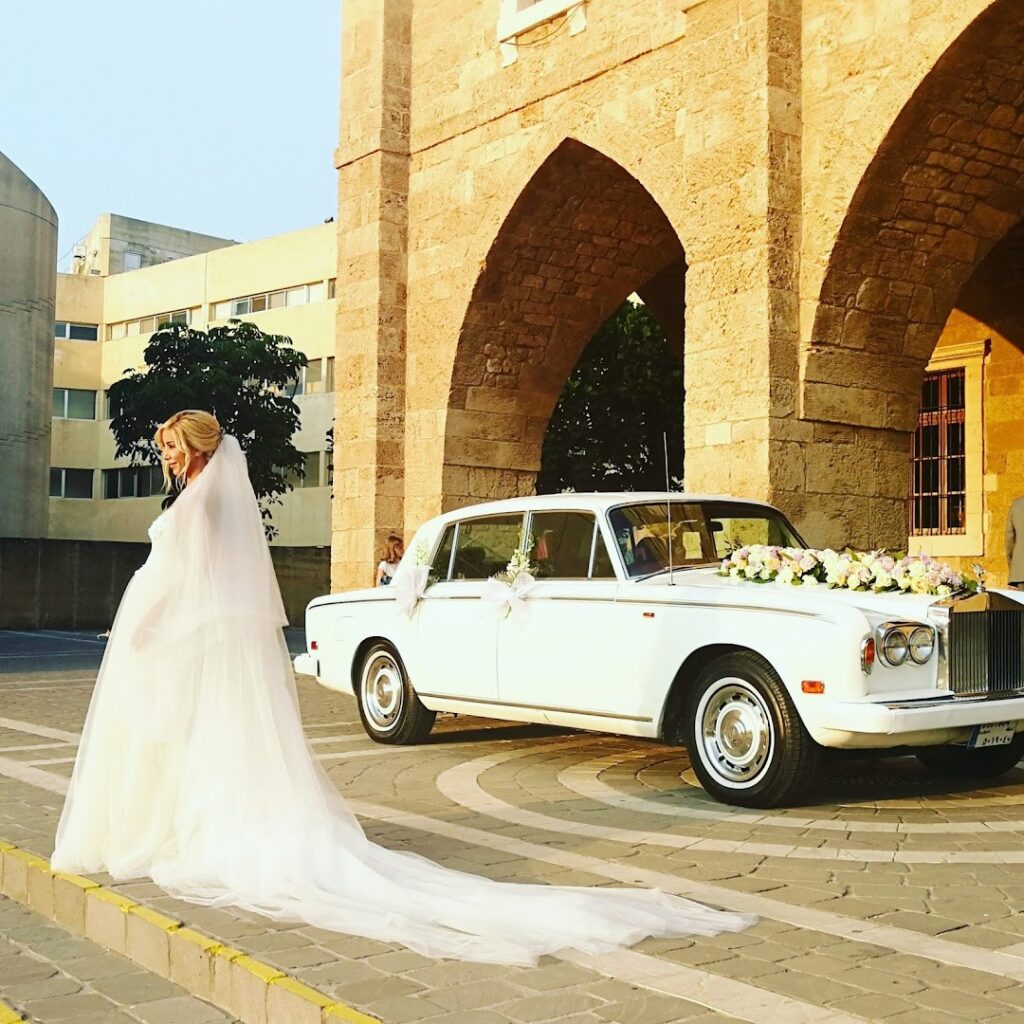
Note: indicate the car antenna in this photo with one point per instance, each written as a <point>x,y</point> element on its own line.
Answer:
<point>668,505</point>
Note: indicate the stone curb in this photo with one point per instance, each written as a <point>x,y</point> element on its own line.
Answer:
<point>230,979</point>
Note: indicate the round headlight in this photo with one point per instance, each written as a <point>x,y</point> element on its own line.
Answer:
<point>922,644</point>
<point>894,646</point>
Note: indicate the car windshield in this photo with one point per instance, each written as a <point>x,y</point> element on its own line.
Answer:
<point>703,533</point>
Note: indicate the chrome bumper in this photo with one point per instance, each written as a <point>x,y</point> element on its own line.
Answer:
<point>895,719</point>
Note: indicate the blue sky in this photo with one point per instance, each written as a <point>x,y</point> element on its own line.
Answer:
<point>214,116</point>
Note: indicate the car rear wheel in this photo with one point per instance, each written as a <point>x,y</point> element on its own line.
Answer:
<point>961,763</point>
<point>746,741</point>
<point>388,706</point>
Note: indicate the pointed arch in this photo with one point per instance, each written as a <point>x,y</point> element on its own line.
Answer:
<point>581,237</point>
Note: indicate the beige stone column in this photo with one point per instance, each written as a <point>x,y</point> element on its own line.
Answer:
<point>741,348</point>
<point>373,184</point>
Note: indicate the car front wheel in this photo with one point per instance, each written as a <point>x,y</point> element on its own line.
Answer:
<point>388,706</point>
<point>961,763</point>
<point>746,741</point>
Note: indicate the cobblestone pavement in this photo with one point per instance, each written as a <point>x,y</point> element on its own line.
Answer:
<point>889,897</point>
<point>49,974</point>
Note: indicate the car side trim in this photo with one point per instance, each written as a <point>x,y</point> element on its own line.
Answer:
<point>531,707</point>
<point>639,599</point>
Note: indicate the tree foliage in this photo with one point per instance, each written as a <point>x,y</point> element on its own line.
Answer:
<point>241,375</point>
<point>623,395</point>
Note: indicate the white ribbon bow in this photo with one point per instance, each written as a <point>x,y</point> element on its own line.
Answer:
<point>509,598</point>
<point>409,586</point>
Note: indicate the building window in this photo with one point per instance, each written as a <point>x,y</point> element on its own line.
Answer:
<point>938,502</point>
<point>244,305</point>
<point>332,286</point>
<point>148,324</point>
<point>310,471</point>
<point>318,377</point>
<point>315,378</point>
<point>75,332</point>
<point>110,409</point>
<point>518,16</point>
<point>132,260</point>
<point>70,483</point>
<point>132,482</point>
<point>74,404</point>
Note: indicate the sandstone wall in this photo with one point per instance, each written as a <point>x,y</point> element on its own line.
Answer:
<point>826,175</point>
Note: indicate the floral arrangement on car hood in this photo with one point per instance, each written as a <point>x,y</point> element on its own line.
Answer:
<point>875,571</point>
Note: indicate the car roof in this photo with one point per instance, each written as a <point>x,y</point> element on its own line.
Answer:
<point>597,501</point>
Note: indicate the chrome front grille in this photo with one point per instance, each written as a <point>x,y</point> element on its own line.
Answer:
<point>986,652</point>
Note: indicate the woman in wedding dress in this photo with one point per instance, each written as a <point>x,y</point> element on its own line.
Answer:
<point>193,768</point>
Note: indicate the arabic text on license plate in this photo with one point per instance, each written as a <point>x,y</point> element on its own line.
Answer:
<point>992,734</point>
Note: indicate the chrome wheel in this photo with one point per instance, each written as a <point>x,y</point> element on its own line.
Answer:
<point>734,731</point>
<point>382,691</point>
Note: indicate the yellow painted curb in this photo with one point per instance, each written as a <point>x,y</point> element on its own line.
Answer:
<point>339,1011</point>
<point>7,1014</point>
<point>83,883</point>
<point>123,903</point>
<point>329,1010</point>
<point>155,918</point>
<point>264,972</point>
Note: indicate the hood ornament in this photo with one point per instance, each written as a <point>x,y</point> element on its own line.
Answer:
<point>979,572</point>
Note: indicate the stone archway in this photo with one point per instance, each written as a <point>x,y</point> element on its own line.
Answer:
<point>582,236</point>
<point>944,187</point>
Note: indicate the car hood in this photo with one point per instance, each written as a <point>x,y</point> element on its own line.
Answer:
<point>714,588</point>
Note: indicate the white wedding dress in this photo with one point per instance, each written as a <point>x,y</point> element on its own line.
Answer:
<point>194,771</point>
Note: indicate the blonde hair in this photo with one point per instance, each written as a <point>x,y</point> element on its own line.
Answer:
<point>390,550</point>
<point>195,432</point>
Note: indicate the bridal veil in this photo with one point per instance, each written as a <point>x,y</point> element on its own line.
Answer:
<point>193,770</point>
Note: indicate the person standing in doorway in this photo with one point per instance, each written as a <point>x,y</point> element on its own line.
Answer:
<point>394,548</point>
<point>1015,543</point>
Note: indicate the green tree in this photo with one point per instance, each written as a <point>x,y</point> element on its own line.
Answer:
<point>244,377</point>
<point>624,394</point>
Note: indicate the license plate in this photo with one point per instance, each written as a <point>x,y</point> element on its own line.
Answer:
<point>992,734</point>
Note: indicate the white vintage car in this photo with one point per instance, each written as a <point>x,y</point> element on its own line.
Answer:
<point>619,634</point>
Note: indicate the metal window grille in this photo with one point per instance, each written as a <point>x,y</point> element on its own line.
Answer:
<point>938,462</point>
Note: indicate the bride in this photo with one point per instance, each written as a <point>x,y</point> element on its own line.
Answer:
<point>193,768</point>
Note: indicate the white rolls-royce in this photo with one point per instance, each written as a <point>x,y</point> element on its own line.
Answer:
<point>609,612</point>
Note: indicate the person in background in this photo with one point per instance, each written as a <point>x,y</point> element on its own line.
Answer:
<point>394,548</point>
<point>1015,543</point>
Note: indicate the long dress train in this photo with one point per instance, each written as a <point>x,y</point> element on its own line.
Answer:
<point>193,770</point>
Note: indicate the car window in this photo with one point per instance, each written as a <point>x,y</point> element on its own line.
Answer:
<point>642,534</point>
<point>561,544</point>
<point>702,533</point>
<point>734,527</point>
<point>603,569</point>
<point>484,546</point>
<point>443,556</point>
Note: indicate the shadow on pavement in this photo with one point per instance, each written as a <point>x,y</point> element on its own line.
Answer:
<point>27,652</point>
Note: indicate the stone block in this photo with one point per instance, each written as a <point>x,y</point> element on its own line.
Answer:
<point>240,985</point>
<point>69,902</point>
<point>288,999</point>
<point>191,959</point>
<point>15,876</point>
<point>40,889</point>
<point>106,919</point>
<point>147,939</point>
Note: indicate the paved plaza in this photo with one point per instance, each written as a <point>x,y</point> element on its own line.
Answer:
<point>888,897</point>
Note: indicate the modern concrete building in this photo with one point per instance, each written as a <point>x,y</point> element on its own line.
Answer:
<point>105,315</point>
<point>28,258</point>
<point>116,244</point>
<point>838,184</point>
